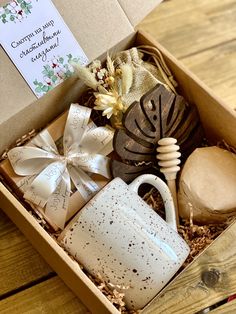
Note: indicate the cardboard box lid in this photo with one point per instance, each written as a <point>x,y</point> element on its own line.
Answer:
<point>97,25</point>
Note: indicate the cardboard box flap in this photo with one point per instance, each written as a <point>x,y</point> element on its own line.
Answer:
<point>97,26</point>
<point>96,30</point>
<point>136,10</point>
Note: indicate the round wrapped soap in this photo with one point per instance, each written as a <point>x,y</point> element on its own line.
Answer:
<point>207,186</point>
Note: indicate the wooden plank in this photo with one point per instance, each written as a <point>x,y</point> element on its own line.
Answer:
<point>227,308</point>
<point>210,279</point>
<point>217,68</point>
<point>203,36</point>
<point>20,263</point>
<point>51,296</point>
<point>187,27</point>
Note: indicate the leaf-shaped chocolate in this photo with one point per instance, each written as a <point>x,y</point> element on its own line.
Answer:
<point>160,113</point>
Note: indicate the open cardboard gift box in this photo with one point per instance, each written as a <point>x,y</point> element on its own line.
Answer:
<point>106,26</point>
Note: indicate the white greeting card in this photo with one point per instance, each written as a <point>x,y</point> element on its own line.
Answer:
<point>40,44</point>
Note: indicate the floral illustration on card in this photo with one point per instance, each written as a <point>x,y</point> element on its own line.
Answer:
<point>55,72</point>
<point>15,11</point>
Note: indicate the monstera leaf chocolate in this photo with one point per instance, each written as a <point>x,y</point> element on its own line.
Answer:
<point>159,113</point>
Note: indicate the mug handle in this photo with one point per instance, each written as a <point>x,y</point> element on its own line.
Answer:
<point>165,194</point>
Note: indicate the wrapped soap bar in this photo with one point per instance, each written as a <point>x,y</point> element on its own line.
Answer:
<point>62,167</point>
<point>207,186</point>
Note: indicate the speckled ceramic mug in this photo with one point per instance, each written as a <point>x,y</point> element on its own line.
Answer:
<point>119,236</point>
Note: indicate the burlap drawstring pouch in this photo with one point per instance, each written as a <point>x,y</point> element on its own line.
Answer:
<point>146,74</point>
<point>124,79</point>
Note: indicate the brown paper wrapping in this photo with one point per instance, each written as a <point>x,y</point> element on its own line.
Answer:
<point>207,187</point>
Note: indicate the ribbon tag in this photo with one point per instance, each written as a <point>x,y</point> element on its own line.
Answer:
<point>50,174</point>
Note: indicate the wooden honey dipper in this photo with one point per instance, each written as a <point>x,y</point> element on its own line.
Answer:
<point>168,161</point>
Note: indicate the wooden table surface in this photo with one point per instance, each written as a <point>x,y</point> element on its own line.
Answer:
<point>202,34</point>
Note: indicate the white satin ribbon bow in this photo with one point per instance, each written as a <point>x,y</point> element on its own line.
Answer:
<point>83,144</point>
